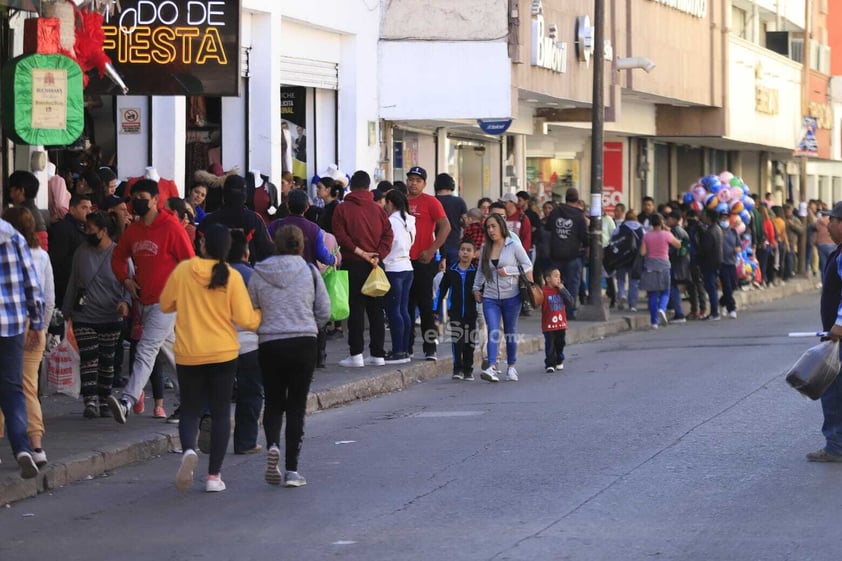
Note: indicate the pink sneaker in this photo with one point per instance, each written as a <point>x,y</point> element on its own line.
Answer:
<point>159,413</point>
<point>139,407</point>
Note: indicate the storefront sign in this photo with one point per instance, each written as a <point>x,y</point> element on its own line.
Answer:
<point>612,182</point>
<point>584,39</point>
<point>174,47</point>
<point>547,52</point>
<point>130,120</point>
<point>823,114</point>
<point>494,127</point>
<point>765,98</point>
<point>696,8</point>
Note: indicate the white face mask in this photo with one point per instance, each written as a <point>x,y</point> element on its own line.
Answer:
<point>724,224</point>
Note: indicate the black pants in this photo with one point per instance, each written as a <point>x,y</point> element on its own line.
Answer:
<point>362,306</point>
<point>97,343</point>
<point>696,291</point>
<point>207,385</point>
<point>554,342</point>
<point>249,402</point>
<point>463,333</point>
<point>421,297</point>
<point>287,366</point>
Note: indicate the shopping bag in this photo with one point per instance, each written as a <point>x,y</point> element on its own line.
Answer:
<point>816,370</point>
<point>336,283</point>
<point>63,370</point>
<point>376,284</point>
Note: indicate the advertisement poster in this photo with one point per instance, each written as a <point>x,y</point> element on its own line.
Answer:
<point>49,99</point>
<point>612,182</point>
<point>294,127</point>
<point>808,146</point>
<point>173,47</point>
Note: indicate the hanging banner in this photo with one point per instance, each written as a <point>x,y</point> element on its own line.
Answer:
<point>808,146</point>
<point>173,47</point>
<point>294,122</point>
<point>612,182</point>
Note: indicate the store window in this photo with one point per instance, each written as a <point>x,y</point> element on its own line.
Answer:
<point>204,134</point>
<point>549,178</point>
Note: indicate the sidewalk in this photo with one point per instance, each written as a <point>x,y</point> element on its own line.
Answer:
<point>80,448</point>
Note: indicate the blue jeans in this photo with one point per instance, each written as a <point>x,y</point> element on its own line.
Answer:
<point>571,276</point>
<point>397,309</point>
<point>832,409</point>
<point>825,249</point>
<point>709,280</point>
<point>658,300</point>
<point>675,298</point>
<point>506,310</point>
<point>631,296</point>
<point>728,277</point>
<point>249,402</point>
<point>12,401</point>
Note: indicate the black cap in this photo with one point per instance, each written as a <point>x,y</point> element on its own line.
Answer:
<point>444,182</point>
<point>419,171</point>
<point>110,202</point>
<point>835,212</point>
<point>234,183</point>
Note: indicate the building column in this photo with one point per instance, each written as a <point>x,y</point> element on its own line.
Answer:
<point>133,143</point>
<point>441,154</point>
<point>169,138</point>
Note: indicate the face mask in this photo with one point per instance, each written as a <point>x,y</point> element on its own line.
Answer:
<point>140,206</point>
<point>93,239</point>
<point>724,224</point>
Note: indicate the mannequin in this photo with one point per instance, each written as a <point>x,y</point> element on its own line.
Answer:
<point>152,173</point>
<point>166,187</point>
<point>261,195</point>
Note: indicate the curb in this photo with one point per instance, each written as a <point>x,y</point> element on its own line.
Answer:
<point>86,465</point>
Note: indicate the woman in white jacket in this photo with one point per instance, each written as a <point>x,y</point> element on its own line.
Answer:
<point>399,272</point>
<point>24,222</point>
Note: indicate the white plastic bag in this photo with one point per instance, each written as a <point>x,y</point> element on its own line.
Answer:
<point>815,370</point>
<point>63,370</point>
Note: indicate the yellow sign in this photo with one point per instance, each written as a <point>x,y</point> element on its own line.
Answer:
<point>49,99</point>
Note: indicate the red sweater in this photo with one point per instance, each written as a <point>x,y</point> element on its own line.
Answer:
<point>360,222</point>
<point>155,249</point>
<point>553,311</point>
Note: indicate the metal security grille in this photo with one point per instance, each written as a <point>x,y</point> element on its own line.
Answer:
<point>309,73</point>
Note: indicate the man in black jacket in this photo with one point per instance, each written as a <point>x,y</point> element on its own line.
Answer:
<point>709,258</point>
<point>568,232</point>
<point>65,236</point>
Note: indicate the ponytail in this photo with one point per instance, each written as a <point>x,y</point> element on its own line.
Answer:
<point>217,246</point>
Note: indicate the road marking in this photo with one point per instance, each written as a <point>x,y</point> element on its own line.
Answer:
<point>437,414</point>
<point>344,542</point>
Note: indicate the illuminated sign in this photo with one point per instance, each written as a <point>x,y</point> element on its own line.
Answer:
<point>174,47</point>
<point>547,51</point>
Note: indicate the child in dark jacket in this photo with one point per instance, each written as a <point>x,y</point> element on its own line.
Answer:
<point>461,309</point>
<point>554,319</point>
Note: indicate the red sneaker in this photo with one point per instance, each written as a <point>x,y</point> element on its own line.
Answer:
<point>139,407</point>
<point>159,413</point>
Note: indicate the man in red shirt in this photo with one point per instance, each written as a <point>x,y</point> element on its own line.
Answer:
<point>156,244</point>
<point>432,228</point>
<point>364,235</point>
<point>518,222</point>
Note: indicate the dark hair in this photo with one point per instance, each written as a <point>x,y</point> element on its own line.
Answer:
<point>469,241</point>
<point>399,201</point>
<point>486,247</point>
<point>178,206</point>
<point>385,186</point>
<point>498,204</point>
<point>239,246</point>
<point>649,199</point>
<point>77,199</point>
<point>337,190</point>
<point>482,201</point>
<point>24,222</point>
<point>297,202</point>
<point>444,182</point>
<point>26,181</point>
<point>146,186</point>
<point>217,246</point>
<point>104,221</point>
<point>655,219</point>
<point>400,186</point>
<point>360,180</point>
<point>523,195</point>
<point>548,272</point>
<point>289,240</point>
<point>106,174</point>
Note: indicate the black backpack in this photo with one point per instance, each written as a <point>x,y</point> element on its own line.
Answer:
<point>621,250</point>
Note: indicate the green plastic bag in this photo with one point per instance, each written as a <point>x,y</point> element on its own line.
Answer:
<point>336,283</point>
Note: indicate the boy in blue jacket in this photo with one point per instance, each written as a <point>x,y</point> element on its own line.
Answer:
<point>461,309</point>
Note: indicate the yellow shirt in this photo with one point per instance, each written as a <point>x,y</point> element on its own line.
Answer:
<point>205,318</point>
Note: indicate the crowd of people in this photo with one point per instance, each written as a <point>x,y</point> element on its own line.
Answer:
<point>224,288</point>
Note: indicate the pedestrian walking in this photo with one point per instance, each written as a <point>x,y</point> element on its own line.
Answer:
<point>208,298</point>
<point>655,277</point>
<point>457,286</point>
<point>554,320</point>
<point>295,304</point>
<point>496,288</point>
<point>22,327</point>
<point>568,233</point>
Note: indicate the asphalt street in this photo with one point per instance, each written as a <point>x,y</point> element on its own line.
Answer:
<point>679,444</point>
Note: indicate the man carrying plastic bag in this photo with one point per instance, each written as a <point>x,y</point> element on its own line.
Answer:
<point>831,312</point>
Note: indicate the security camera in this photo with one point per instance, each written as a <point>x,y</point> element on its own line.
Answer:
<point>644,63</point>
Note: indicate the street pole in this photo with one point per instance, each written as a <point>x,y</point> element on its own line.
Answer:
<point>597,158</point>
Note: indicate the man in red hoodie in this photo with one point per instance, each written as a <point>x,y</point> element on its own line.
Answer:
<point>156,244</point>
<point>364,235</point>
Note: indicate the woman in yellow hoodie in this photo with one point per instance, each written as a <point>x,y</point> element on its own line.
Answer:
<point>209,298</point>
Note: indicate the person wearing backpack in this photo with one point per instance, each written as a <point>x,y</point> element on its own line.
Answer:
<point>679,264</point>
<point>628,235</point>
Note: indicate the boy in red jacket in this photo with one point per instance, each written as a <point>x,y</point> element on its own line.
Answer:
<point>156,244</point>
<point>554,319</point>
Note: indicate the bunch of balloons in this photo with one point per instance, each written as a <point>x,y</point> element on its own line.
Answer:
<point>725,193</point>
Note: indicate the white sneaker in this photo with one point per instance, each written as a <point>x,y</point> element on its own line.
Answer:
<point>353,361</point>
<point>489,374</point>
<point>662,317</point>
<point>272,475</point>
<point>732,315</point>
<point>215,485</point>
<point>40,458</point>
<point>294,479</point>
<point>511,374</point>
<point>27,466</point>
<point>559,366</point>
<point>184,477</point>
<point>375,361</point>
<point>632,309</point>
<point>549,369</point>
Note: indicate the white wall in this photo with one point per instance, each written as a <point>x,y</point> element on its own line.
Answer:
<point>445,19</point>
<point>445,80</point>
<point>792,10</point>
<point>746,124</point>
<point>132,149</point>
